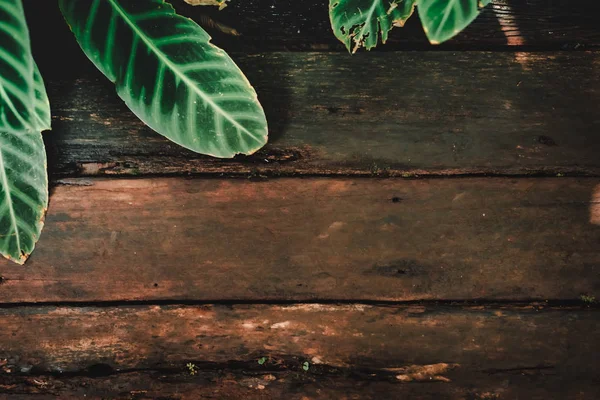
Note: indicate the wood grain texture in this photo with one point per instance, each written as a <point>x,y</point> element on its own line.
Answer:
<point>455,344</point>
<point>304,25</point>
<point>537,383</point>
<point>312,239</point>
<point>372,114</point>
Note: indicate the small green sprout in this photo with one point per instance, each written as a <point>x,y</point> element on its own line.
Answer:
<point>192,368</point>
<point>587,299</point>
<point>305,365</point>
<point>262,360</point>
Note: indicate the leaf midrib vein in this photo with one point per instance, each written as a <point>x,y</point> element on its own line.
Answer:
<point>369,16</point>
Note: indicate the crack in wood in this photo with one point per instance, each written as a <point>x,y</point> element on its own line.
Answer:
<point>492,304</point>
<point>277,365</point>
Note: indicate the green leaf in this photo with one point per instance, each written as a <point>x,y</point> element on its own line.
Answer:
<point>42,104</point>
<point>24,112</point>
<point>364,21</point>
<point>443,19</point>
<point>169,74</point>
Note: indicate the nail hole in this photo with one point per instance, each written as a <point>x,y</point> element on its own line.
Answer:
<point>546,140</point>
<point>396,199</point>
<point>156,285</point>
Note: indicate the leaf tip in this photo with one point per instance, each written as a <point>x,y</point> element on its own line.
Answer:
<point>262,143</point>
<point>20,261</point>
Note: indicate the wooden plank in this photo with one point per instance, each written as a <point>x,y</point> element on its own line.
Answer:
<point>390,114</point>
<point>319,238</point>
<point>459,345</point>
<point>304,25</point>
<point>293,385</point>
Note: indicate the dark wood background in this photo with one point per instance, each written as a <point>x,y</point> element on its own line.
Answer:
<point>424,223</point>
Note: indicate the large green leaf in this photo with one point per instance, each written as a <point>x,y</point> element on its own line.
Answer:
<point>42,104</point>
<point>443,19</point>
<point>362,22</point>
<point>169,74</point>
<point>24,112</point>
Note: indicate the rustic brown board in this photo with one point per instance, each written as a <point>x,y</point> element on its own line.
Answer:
<point>371,114</point>
<point>407,345</point>
<point>318,238</point>
<point>294,385</point>
<point>304,25</point>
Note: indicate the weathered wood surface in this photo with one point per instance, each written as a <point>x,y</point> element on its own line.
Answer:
<point>371,114</point>
<point>314,239</point>
<point>304,25</point>
<point>460,347</point>
<point>536,383</point>
<point>289,386</point>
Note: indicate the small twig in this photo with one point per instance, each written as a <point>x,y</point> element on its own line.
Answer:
<point>208,22</point>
